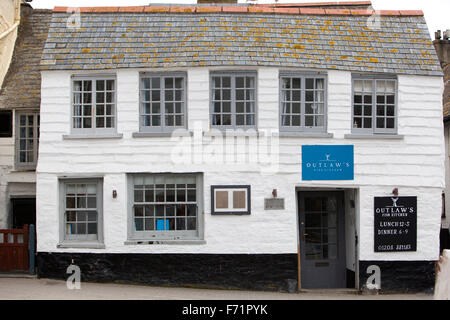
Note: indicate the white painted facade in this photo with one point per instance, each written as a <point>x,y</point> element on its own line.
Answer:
<point>413,164</point>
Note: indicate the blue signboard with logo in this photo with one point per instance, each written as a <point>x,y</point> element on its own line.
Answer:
<point>327,162</point>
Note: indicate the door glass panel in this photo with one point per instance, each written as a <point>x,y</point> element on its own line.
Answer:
<point>320,229</point>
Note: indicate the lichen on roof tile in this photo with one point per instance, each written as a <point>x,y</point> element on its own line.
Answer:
<point>235,38</point>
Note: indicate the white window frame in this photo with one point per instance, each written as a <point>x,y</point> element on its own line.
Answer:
<point>93,130</point>
<point>162,128</point>
<point>157,235</point>
<point>233,75</point>
<point>27,165</point>
<point>303,77</point>
<point>374,130</point>
<point>231,189</point>
<point>88,240</point>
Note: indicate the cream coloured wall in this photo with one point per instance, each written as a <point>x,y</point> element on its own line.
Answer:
<point>9,19</point>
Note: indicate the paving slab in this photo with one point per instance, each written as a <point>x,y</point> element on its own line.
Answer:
<point>48,289</point>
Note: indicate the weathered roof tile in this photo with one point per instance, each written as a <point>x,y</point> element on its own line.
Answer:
<point>21,88</point>
<point>342,40</point>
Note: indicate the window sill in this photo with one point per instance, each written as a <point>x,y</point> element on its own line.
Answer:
<point>83,245</point>
<point>92,136</point>
<point>305,134</point>
<point>25,169</point>
<point>232,133</point>
<point>374,136</point>
<point>173,242</point>
<point>163,134</point>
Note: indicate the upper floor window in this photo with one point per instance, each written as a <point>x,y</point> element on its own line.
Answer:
<point>27,139</point>
<point>233,100</point>
<point>303,106</point>
<point>374,105</point>
<point>162,102</point>
<point>94,104</point>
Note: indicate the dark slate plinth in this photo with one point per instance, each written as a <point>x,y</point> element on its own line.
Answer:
<point>401,276</point>
<point>269,272</point>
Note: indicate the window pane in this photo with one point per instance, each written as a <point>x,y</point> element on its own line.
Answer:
<point>191,210</point>
<point>138,195</point>
<point>380,123</point>
<point>192,195</point>
<point>139,224</point>
<point>240,120</point>
<point>240,82</point>
<point>390,123</point>
<point>110,85</point>
<point>91,202</point>
<point>159,211</point>
<point>191,224</point>
<point>168,83</point>
<point>156,83</point>
<point>226,120</point>
<point>149,224</point>
<point>390,111</point>
<point>92,228</point>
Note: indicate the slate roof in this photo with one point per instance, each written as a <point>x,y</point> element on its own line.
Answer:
<point>22,84</point>
<point>180,36</point>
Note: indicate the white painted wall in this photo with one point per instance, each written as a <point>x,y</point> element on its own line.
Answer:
<point>414,164</point>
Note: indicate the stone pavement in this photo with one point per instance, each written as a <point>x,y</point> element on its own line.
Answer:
<point>46,289</point>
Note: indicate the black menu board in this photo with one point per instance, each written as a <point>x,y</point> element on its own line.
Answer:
<point>395,224</point>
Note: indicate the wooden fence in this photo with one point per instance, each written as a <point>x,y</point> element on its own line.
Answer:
<point>14,254</point>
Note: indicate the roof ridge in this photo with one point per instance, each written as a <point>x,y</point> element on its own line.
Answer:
<point>238,9</point>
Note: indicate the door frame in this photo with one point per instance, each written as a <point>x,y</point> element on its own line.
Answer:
<point>12,199</point>
<point>355,194</point>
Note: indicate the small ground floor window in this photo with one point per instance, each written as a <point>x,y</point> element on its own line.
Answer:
<point>81,216</point>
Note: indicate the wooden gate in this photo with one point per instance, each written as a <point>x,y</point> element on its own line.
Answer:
<point>14,249</point>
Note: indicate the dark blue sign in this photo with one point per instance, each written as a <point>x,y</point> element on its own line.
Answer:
<point>327,162</point>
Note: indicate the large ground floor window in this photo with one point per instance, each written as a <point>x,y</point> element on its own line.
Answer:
<point>165,206</point>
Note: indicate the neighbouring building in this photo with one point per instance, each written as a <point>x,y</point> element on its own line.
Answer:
<point>20,100</point>
<point>442,46</point>
<point>272,147</point>
<point>9,21</point>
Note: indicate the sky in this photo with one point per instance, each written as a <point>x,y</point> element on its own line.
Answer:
<point>437,12</point>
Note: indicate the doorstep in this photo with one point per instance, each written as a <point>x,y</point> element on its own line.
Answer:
<point>331,291</point>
